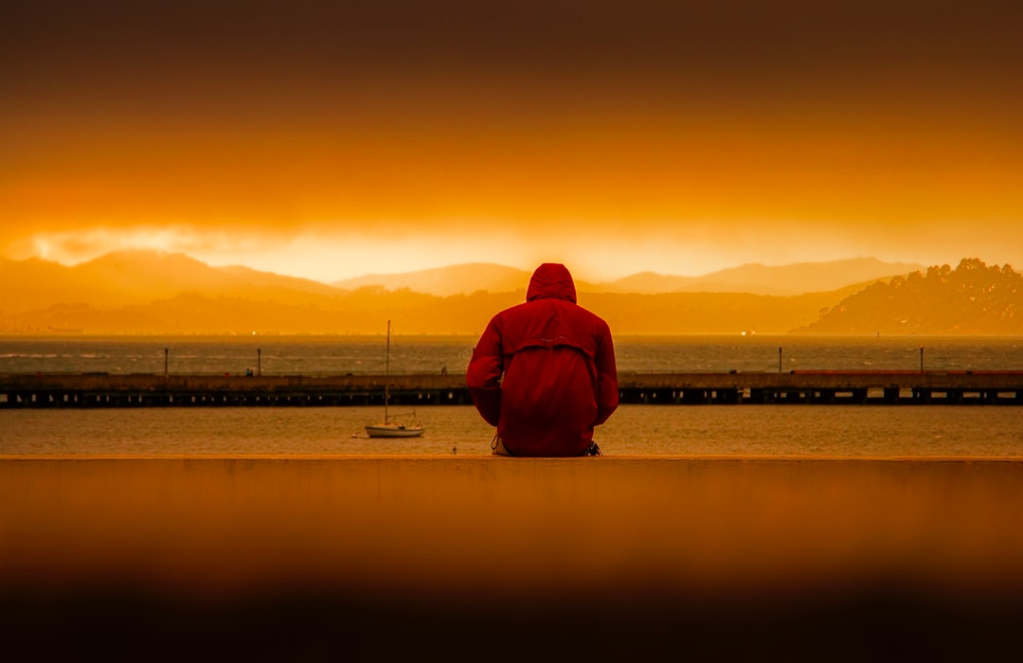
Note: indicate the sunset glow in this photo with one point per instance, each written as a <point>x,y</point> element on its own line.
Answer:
<point>333,140</point>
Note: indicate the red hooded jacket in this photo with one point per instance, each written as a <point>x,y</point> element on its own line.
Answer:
<point>544,372</point>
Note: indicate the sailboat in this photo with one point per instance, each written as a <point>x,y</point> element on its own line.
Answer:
<point>391,428</point>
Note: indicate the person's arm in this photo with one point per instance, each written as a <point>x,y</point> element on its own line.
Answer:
<point>484,374</point>
<point>607,377</point>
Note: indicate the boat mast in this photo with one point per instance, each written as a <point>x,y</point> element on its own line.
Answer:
<point>387,372</point>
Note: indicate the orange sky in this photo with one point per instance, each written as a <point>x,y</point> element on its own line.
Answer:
<point>327,140</point>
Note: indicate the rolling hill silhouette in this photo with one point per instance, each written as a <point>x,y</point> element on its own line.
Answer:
<point>753,278</point>
<point>148,292</point>
<point>758,279</point>
<point>125,278</point>
<point>445,281</point>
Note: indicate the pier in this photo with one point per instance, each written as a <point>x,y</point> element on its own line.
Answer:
<point>102,390</point>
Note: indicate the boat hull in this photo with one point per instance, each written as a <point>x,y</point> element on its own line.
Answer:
<point>393,430</point>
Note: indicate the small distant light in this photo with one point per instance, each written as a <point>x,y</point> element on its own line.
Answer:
<point>253,333</point>
<point>743,333</point>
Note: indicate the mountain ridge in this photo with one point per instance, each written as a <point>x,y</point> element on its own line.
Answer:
<point>124,278</point>
<point>153,293</point>
<point>753,278</point>
<point>366,311</point>
<point>760,279</point>
<point>128,277</point>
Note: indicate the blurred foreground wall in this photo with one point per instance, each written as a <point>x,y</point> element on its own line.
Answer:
<point>448,557</point>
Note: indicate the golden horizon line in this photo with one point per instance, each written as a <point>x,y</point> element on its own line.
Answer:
<point>486,264</point>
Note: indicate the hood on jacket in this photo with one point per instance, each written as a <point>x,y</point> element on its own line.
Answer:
<point>551,280</point>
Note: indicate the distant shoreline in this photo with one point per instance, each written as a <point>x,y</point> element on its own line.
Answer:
<point>377,336</point>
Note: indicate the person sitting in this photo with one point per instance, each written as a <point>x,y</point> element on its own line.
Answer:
<point>544,373</point>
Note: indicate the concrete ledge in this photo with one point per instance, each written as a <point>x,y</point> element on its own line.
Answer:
<point>631,547</point>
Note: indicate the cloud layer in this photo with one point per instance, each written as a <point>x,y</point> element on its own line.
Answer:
<point>316,138</point>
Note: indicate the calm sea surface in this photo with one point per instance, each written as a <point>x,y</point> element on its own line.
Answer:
<point>419,354</point>
<point>885,431</point>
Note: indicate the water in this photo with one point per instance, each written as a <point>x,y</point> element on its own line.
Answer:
<point>427,354</point>
<point>273,356</point>
<point>773,430</point>
<point>776,430</point>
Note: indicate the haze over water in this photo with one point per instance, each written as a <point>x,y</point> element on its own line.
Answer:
<point>317,355</point>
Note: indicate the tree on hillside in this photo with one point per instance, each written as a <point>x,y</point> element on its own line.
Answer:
<point>973,298</point>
